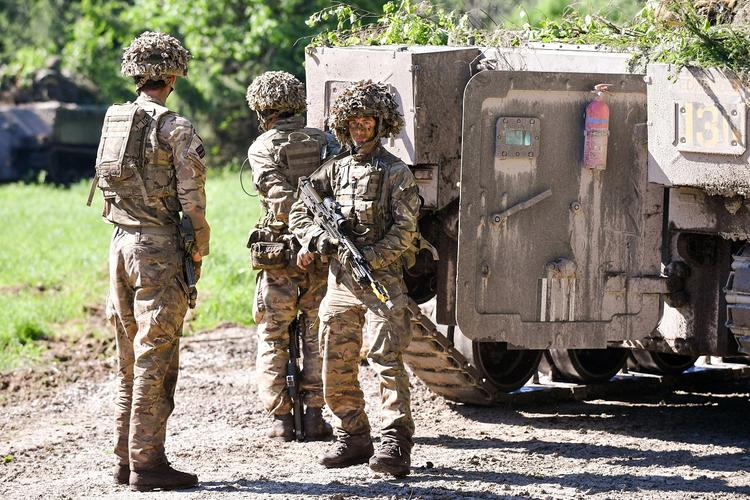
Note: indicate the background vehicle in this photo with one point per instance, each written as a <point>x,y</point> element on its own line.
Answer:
<point>545,254</point>
<point>55,137</point>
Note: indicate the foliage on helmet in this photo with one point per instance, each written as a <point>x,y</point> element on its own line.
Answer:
<point>154,56</point>
<point>276,90</point>
<point>366,98</point>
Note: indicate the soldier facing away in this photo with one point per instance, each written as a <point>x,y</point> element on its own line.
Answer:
<point>286,151</point>
<point>150,168</point>
<point>379,196</point>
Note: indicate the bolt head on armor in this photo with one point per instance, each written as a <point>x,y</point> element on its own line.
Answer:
<point>366,98</point>
<point>276,91</point>
<point>154,56</point>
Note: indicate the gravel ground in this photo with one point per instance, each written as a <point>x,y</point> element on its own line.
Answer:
<point>690,444</point>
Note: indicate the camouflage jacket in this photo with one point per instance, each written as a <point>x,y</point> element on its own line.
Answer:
<point>379,194</point>
<point>276,183</point>
<point>184,150</point>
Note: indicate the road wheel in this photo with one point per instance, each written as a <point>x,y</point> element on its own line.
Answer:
<point>586,366</point>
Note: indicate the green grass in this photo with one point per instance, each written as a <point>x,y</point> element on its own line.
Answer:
<point>53,263</point>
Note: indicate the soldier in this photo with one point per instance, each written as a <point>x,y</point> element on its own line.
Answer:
<point>286,151</point>
<point>378,194</point>
<point>150,168</point>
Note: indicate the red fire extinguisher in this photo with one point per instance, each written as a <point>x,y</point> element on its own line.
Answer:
<point>596,130</point>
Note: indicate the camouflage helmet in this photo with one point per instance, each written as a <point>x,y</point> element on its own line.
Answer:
<point>276,90</point>
<point>153,56</point>
<point>366,98</point>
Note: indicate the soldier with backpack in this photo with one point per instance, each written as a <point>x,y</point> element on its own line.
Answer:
<point>150,168</point>
<point>286,151</point>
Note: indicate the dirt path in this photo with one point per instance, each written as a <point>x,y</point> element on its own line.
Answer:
<point>688,445</point>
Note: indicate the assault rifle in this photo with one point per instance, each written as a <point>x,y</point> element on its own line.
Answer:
<point>327,215</point>
<point>296,329</point>
<point>187,238</point>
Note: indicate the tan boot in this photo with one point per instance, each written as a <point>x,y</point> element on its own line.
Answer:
<point>348,450</point>
<point>392,458</point>
<point>122,474</point>
<point>316,429</point>
<point>282,428</point>
<point>162,477</point>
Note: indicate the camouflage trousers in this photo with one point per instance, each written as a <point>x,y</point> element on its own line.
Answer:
<point>279,294</point>
<point>146,305</point>
<point>346,308</point>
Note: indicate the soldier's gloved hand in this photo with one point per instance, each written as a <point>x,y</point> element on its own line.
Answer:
<point>326,245</point>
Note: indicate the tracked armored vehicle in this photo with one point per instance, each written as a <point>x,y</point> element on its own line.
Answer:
<point>55,137</point>
<point>572,238</point>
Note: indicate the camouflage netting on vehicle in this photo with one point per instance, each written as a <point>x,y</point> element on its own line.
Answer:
<point>153,56</point>
<point>276,90</point>
<point>366,98</point>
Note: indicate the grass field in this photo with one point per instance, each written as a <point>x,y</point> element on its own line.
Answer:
<point>53,263</point>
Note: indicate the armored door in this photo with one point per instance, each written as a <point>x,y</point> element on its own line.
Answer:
<point>551,253</point>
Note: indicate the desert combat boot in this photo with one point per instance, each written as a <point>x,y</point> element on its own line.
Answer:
<point>392,458</point>
<point>348,450</point>
<point>162,477</point>
<point>122,474</point>
<point>316,428</point>
<point>282,428</point>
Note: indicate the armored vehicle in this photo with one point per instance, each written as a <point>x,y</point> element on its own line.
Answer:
<point>55,137</point>
<point>585,217</point>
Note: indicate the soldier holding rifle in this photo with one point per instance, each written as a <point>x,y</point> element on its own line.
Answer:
<point>377,196</point>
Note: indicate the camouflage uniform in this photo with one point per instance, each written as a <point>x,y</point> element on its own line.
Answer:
<point>278,158</point>
<point>280,293</point>
<point>378,193</point>
<point>148,297</point>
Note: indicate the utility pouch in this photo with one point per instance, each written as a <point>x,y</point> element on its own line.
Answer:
<point>268,255</point>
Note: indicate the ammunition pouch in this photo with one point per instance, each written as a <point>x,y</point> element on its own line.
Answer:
<point>270,249</point>
<point>268,255</point>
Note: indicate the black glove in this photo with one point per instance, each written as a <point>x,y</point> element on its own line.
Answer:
<point>326,245</point>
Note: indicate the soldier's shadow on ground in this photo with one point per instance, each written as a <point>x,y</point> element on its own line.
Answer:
<point>410,486</point>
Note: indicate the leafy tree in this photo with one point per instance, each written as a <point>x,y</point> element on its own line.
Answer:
<point>232,41</point>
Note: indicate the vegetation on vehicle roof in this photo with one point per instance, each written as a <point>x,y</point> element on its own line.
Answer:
<point>705,33</point>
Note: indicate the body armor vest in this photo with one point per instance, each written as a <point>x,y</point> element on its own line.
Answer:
<point>131,162</point>
<point>359,189</point>
<point>297,153</point>
<point>363,190</point>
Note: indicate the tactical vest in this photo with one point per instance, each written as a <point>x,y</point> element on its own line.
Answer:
<point>362,190</point>
<point>359,189</point>
<point>131,162</point>
<point>297,153</point>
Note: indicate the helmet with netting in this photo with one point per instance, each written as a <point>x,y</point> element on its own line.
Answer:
<point>366,98</point>
<point>276,91</point>
<point>154,56</point>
